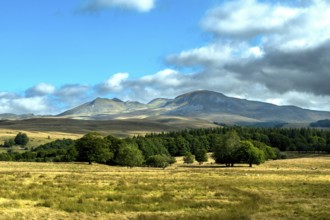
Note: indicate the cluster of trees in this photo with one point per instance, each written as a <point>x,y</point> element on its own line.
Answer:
<point>93,147</point>
<point>230,149</point>
<point>20,139</point>
<point>230,145</point>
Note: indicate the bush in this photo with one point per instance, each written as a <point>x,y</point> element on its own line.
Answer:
<point>201,156</point>
<point>9,143</point>
<point>158,161</point>
<point>188,158</point>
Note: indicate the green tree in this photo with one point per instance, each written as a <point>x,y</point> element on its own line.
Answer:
<point>93,148</point>
<point>129,155</point>
<point>188,158</point>
<point>201,155</point>
<point>225,149</point>
<point>182,146</point>
<point>247,153</point>
<point>269,152</point>
<point>21,139</point>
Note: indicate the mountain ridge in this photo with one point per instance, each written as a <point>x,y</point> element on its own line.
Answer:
<point>203,104</point>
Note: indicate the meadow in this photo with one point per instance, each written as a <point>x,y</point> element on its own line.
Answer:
<point>281,189</point>
<point>36,138</point>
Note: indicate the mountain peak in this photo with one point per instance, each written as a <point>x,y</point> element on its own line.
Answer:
<point>117,100</point>
<point>200,96</point>
<point>201,93</point>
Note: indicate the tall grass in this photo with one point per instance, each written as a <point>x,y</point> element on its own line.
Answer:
<point>284,189</point>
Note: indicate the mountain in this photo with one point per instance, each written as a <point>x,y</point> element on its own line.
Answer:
<point>101,106</point>
<point>214,106</point>
<point>209,105</point>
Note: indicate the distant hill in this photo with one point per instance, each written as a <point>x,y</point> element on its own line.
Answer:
<point>103,106</point>
<point>10,116</point>
<point>208,105</point>
<point>321,124</point>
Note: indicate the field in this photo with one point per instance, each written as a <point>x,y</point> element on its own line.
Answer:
<point>36,138</point>
<point>118,128</point>
<point>282,189</point>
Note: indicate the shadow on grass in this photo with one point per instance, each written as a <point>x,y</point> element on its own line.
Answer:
<point>213,166</point>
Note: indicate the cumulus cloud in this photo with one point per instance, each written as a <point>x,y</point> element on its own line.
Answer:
<point>113,84</point>
<point>279,48</point>
<point>248,18</point>
<point>45,99</point>
<point>136,5</point>
<point>40,90</point>
<point>26,105</point>
<point>71,95</point>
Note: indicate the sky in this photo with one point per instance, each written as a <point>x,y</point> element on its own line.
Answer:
<point>57,54</point>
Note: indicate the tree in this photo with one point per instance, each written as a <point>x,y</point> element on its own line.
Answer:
<point>21,139</point>
<point>225,149</point>
<point>269,152</point>
<point>129,155</point>
<point>93,148</point>
<point>188,158</point>
<point>247,153</point>
<point>279,140</point>
<point>182,146</point>
<point>201,155</point>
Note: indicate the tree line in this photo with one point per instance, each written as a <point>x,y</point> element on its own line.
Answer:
<point>230,145</point>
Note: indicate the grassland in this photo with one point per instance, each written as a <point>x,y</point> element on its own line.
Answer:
<point>36,138</point>
<point>283,189</point>
<point>119,128</point>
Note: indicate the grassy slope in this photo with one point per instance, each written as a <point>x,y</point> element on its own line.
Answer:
<point>120,128</point>
<point>283,189</point>
<point>36,138</point>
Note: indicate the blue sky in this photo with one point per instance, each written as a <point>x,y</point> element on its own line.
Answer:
<point>58,43</point>
<point>56,54</point>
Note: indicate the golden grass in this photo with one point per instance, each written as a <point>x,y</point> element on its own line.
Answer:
<point>283,189</point>
<point>36,138</point>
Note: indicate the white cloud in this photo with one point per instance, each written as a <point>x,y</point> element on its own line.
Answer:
<point>247,18</point>
<point>114,83</point>
<point>281,47</point>
<point>32,104</point>
<point>40,90</point>
<point>72,90</point>
<point>137,5</point>
<point>23,105</point>
<point>167,77</point>
<point>213,54</point>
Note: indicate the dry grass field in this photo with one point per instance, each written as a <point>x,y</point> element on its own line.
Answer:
<point>37,138</point>
<point>282,189</point>
<point>118,128</point>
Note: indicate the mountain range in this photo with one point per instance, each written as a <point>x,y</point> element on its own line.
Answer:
<point>198,109</point>
<point>203,104</point>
